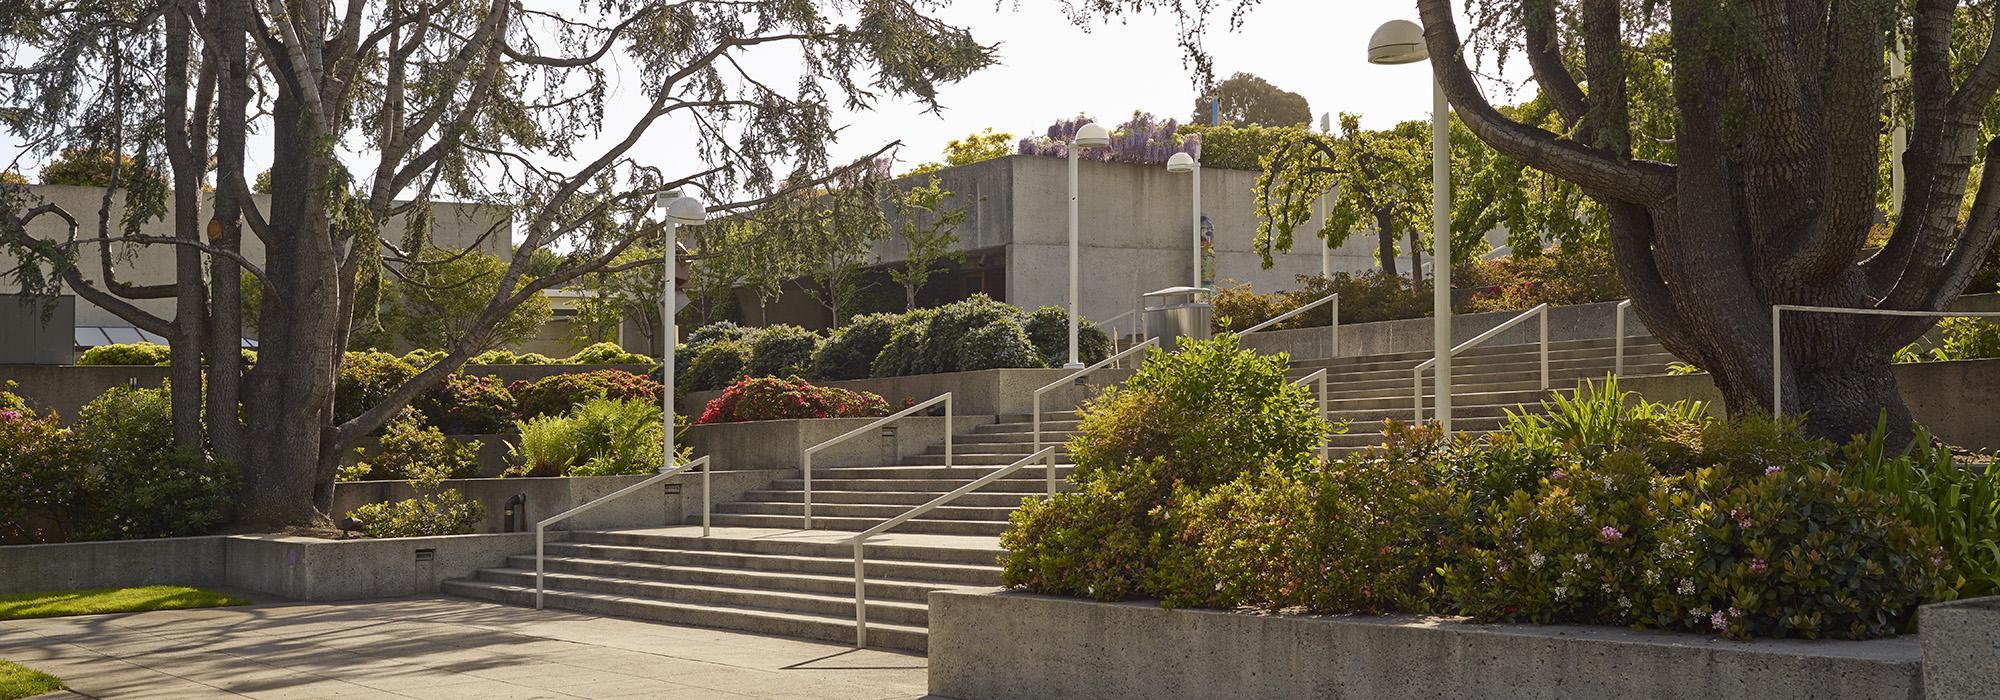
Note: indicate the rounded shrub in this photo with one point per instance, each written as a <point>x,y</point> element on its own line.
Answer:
<point>782,350</point>
<point>712,366</point>
<point>607,354</point>
<point>717,332</point>
<point>464,405</point>
<point>1048,327</point>
<point>775,398</point>
<point>952,323</point>
<point>424,357</point>
<point>903,354</point>
<point>558,394</point>
<point>365,379</point>
<point>127,354</point>
<point>139,483</point>
<point>996,346</point>
<point>849,352</point>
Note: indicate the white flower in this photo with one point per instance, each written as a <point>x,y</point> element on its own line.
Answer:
<point>1687,586</point>
<point>1577,510</point>
<point>1624,602</point>
<point>1535,560</point>
<point>1652,577</point>
<point>1562,592</point>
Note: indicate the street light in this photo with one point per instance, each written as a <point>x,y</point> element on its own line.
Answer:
<point>678,211</point>
<point>1087,136</point>
<point>1184,163</point>
<point>1398,42</point>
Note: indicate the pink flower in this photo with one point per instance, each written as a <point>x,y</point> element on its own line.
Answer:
<point>10,415</point>
<point>1610,534</point>
<point>1937,558</point>
<point>1556,476</point>
<point>1773,469</point>
<point>1757,566</point>
<point>1720,620</point>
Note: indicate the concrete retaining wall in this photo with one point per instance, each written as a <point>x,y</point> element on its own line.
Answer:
<point>1950,398</point>
<point>781,444</point>
<point>188,561</point>
<point>1961,642</point>
<point>996,392</point>
<point>1011,645</point>
<point>1577,322</point>
<point>295,568</point>
<point>549,496</point>
<point>66,388</point>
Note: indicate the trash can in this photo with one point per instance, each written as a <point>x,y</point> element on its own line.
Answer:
<point>1178,312</point>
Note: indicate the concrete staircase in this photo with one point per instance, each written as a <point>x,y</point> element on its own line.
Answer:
<point>761,572</point>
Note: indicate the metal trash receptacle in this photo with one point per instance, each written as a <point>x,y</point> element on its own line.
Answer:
<point>1178,312</point>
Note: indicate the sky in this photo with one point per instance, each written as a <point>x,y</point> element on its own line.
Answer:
<point>1051,69</point>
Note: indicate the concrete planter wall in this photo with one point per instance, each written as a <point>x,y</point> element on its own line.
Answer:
<point>1010,645</point>
<point>66,388</point>
<point>1577,322</point>
<point>1950,398</point>
<point>549,496</point>
<point>781,444</point>
<point>191,561</point>
<point>995,392</point>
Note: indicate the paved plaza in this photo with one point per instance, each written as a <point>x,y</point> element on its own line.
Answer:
<point>438,648</point>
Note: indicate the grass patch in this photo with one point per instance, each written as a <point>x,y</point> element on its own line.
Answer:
<point>97,601</point>
<point>17,681</point>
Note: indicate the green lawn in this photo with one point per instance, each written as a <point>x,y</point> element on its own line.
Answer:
<point>17,681</point>
<point>97,601</point>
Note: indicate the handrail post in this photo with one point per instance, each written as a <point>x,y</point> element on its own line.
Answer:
<point>1050,478</point>
<point>860,598</point>
<point>1618,338</point>
<point>807,468</point>
<point>707,496</point>
<point>1777,364</point>
<point>1333,335</point>
<point>538,566</point>
<point>1545,347</point>
<point>1037,421</point>
<point>950,426</point>
<point>1417,381</point>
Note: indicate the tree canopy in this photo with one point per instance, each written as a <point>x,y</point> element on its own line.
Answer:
<point>1244,99</point>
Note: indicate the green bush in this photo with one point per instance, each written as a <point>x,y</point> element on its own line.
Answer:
<point>446,512</point>
<point>422,357</point>
<point>1560,277</point>
<point>607,354</point>
<point>1000,345</point>
<point>467,405</point>
<point>508,357</point>
<point>719,331</point>
<point>903,355</point>
<point>366,379</point>
<point>1048,328</point>
<point>1959,502</point>
<point>127,354</point>
<point>1364,297</point>
<point>410,450</point>
<point>782,350</point>
<point>139,483</point>
<point>41,471</point>
<point>849,352</point>
<point>558,394</point>
<point>950,325</point>
<point>602,437</point>
<point>713,365</point>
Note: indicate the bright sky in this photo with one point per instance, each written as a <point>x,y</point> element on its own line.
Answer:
<point>1051,69</point>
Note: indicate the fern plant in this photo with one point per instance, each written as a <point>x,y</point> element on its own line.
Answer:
<point>1959,502</point>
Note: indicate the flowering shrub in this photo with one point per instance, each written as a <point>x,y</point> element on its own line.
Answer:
<point>782,350</point>
<point>771,398</point>
<point>1143,139</point>
<point>557,394</point>
<point>467,405</point>
<point>1560,276</point>
<point>850,351</point>
<point>1364,297</point>
<point>40,473</point>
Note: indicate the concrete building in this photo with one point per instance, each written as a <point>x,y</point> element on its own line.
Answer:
<point>1133,233</point>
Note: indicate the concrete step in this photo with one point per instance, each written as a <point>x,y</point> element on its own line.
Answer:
<point>789,624</point>
<point>877,512</point>
<point>900,498</point>
<point>784,546</point>
<point>1471,358</point>
<point>941,572</point>
<point>1015,426</point>
<point>986,528</point>
<point>1604,345</point>
<point>839,586</point>
<point>932,486</point>
<point>1563,373</point>
<point>933,468</point>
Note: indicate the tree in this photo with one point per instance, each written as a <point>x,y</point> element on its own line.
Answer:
<point>612,299</point>
<point>1768,193</point>
<point>1244,99</point>
<point>926,232</point>
<point>91,167</point>
<point>491,102</point>
<point>435,300</point>
<point>979,147</point>
<point>9,177</point>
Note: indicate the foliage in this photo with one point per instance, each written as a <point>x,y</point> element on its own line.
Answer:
<point>439,297</point>
<point>1143,139</point>
<point>366,379</point>
<point>141,353</point>
<point>718,331</point>
<point>947,331</point>
<point>984,145</point>
<point>1365,297</point>
<point>1572,274</point>
<point>424,357</point>
<point>410,450</point>
<point>468,405</point>
<point>135,482</point>
<point>104,601</point>
<point>1962,338</point>
<point>39,461</point>
<point>91,167</point>
<point>928,222</point>
<point>772,398</point>
<point>559,393</point>
<point>904,353</point>
<point>849,352</point>
<point>1048,328</point>
<point>509,357</point>
<point>998,345</point>
<point>608,301</point>
<point>607,353</point>
<point>713,365</point>
<point>600,437</point>
<point>446,512</point>
<point>1959,502</point>
<point>1236,147</point>
<point>1244,99</point>
<point>782,350</point>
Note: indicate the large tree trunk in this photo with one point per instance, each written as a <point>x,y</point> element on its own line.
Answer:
<point>225,327</point>
<point>187,154</point>
<point>1416,257</point>
<point>1385,239</point>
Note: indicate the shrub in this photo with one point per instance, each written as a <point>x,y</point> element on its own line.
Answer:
<point>10,401</point>
<point>139,483</point>
<point>366,379</point>
<point>713,365</point>
<point>422,357</point>
<point>1048,328</point>
<point>607,354</point>
<point>771,398</point>
<point>447,512</point>
<point>127,354</point>
<point>999,345</point>
<point>904,353</point>
<point>410,450</point>
<point>849,352</point>
<point>467,405</point>
<point>1958,502</point>
<point>1967,339</point>
<point>508,357</point>
<point>601,437</point>
<point>782,350</point>
<point>1563,276</point>
<point>950,325</point>
<point>1364,297</point>
<point>41,473</point>
<point>1093,542</point>
<point>719,331</point>
<point>559,393</point>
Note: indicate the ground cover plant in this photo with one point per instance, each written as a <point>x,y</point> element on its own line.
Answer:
<point>99,601</point>
<point>17,681</point>
<point>1596,509</point>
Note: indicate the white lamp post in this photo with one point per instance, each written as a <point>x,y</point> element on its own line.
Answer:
<point>1321,207</point>
<point>1184,163</point>
<point>678,211</point>
<point>1088,136</point>
<point>1397,42</point>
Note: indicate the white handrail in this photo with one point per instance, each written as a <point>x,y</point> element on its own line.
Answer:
<point>1333,326</point>
<point>1111,324</point>
<point>1618,345</point>
<point>1037,420</point>
<point>1542,310</point>
<point>542,526</point>
<point>1778,342</point>
<point>806,464</point>
<point>1319,375</point>
<point>860,579</point>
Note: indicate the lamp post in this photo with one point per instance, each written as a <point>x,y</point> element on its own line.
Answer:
<point>1184,163</point>
<point>1398,42</point>
<point>1324,203</point>
<point>1087,136</point>
<point>678,211</point>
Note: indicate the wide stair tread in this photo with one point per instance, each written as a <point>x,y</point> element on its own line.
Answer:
<point>785,623</point>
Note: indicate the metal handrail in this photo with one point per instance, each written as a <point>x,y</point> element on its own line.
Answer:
<point>860,578</point>
<point>1071,377</point>
<point>1319,375</point>
<point>1618,332</point>
<point>542,526</point>
<point>1112,325</point>
<point>806,464</point>
<point>1542,310</point>
<point>1778,342</point>
<point>1333,324</point>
